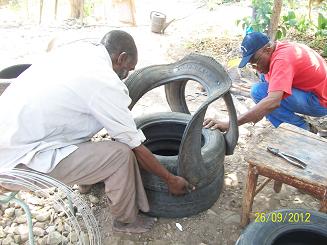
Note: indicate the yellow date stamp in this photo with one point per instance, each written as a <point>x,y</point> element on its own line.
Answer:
<point>282,217</point>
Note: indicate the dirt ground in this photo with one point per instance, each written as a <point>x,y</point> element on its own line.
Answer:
<point>24,42</point>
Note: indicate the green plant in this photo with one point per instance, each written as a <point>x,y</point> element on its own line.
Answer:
<point>260,18</point>
<point>300,23</point>
<point>322,26</point>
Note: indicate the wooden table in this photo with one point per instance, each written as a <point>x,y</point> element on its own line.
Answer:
<point>311,148</point>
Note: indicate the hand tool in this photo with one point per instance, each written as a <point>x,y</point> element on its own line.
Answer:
<point>289,158</point>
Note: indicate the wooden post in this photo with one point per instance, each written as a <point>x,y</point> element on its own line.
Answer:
<point>133,11</point>
<point>323,206</point>
<point>41,10</point>
<point>323,203</point>
<point>274,20</point>
<point>56,8</point>
<point>277,186</point>
<point>251,184</point>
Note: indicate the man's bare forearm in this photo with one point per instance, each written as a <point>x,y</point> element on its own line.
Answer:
<point>263,108</point>
<point>148,162</point>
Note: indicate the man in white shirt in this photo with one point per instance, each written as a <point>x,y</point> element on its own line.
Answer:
<point>49,114</point>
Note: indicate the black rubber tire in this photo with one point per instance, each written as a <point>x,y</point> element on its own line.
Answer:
<point>287,232</point>
<point>192,67</point>
<point>174,76</point>
<point>13,71</point>
<point>175,92</point>
<point>211,151</point>
<point>208,173</point>
<point>161,202</point>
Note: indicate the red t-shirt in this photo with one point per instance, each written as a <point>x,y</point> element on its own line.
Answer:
<point>296,65</point>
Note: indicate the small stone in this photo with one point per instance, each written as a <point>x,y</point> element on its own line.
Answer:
<point>61,214</point>
<point>8,240</point>
<point>21,219</point>
<point>93,199</point>
<point>35,200</point>
<point>4,206</point>
<point>50,229</point>
<point>179,226</point>
<point>10,229</point>
<point>38,231</point>
<point>2,233</point>
<point>168,226</point>
<point>73,237</point>
<point>57,208</point>
<point>17,239</point>
<point>60,227</point>
<point>22,230</point>
<point>52,190</point>
<point>42,240</point>
<point>41,194</point>
<point>55,238</point>
<point>297,200</point>
<point>61,195</point>
<point>41,217</point>
<point>41,225</point>
<point>19,212</point>
<point>9,212</point>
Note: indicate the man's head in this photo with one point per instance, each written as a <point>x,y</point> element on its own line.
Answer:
<point>122,50</point>
<point>256,50</point>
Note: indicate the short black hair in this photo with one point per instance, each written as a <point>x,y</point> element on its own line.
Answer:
<point>118,41</point>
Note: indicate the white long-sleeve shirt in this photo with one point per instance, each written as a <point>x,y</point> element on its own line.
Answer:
<point>62,100</point>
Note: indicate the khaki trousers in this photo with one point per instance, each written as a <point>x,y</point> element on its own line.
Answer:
<point>113,163</point>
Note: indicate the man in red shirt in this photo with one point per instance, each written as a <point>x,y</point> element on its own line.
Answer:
<point>293,79</point>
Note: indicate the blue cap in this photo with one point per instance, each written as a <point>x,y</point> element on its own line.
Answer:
<point>251,43</point>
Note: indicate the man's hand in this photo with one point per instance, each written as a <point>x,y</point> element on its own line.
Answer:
<point>178,185</point>
<point>215,124</point>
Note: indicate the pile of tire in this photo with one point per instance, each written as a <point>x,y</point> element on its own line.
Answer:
<point>178,139</point>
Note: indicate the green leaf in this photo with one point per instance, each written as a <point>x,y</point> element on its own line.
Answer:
<point>321,21</point>
<point>291,15</point>
<point>284,30</point>
<point>279,34</point>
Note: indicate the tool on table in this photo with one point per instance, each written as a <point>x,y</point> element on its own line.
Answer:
<point>289,158</point>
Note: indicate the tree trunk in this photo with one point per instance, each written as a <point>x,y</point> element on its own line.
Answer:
<point>4,2</point>
<point>274,20</point>
<point>76,8</point>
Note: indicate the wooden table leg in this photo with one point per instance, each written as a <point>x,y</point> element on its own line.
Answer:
<point>251,183</point>
<point>277,186</point>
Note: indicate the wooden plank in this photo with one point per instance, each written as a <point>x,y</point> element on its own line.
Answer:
<point>300,131</point>
<point>262,186</point>
<point>316,190</point>
<point>249,193</point>
<point>310,148</point>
